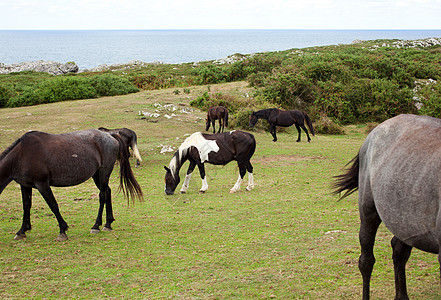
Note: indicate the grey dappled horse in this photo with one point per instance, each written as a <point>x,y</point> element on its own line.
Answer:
<point>398,174</point>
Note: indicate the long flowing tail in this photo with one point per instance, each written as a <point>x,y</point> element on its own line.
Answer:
<point>348,181</point>
<point>309,123</point>
<point>127,181</point>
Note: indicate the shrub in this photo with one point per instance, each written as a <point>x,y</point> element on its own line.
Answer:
<point>6,93</point>
<point>325,125</point>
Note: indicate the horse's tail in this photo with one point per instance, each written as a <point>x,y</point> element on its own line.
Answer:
<point>127,181</point>
<point>309,123</point>
<point>226,118</point>
<point>348,181</point>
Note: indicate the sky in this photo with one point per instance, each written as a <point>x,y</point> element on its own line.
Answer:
<point>219,14</point>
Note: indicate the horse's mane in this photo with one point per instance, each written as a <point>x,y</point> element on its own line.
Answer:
<point>9,149</point>
<point>12,146</point>
<point>264,113</point>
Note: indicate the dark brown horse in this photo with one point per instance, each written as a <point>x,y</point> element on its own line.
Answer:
<point>130,139</point>
<point>216,149</point>
<point>397,174</point>
<point>284,118</point>
<point>40,160</point>
<point>217,113</point>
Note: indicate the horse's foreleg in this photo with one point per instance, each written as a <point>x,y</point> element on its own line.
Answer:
<point>250,176</point>
<point>213,122</point>
<point>26,195</point>
<point>401,254</point>
<point>187,177</point>
<point>109,210</point>
<point>273,132</point>
<point>48,196</point>
<point>203,177</point>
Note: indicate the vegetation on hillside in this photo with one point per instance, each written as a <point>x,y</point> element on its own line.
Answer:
<point>345,84</point>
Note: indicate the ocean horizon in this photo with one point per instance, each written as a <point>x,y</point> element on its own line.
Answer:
<point>92,48</point>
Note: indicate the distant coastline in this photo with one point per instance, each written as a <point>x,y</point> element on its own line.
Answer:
<point>92,48</point>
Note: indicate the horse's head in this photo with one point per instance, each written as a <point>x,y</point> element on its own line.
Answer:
<point>253,119</point>
<point>171,182</point>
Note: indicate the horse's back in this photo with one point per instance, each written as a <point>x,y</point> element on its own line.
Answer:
<point>400,174</point>
<point>63,158</point>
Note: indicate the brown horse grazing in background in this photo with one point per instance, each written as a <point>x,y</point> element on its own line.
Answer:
<point>130,139</point>
<point>397,174</point>
<point>40,160</point>
<point>284,118</point>
<point>217,113</point>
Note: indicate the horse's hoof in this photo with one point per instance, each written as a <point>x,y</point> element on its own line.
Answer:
<point>94,231</point>
<point>232,191</point>
<point>201,192</point>
<point>248,189</point>
<point>61,238</point>
<point>183,192</point>
<point>107,228</point>
<point>18,237</point>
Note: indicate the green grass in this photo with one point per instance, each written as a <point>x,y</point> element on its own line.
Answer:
<point>289,238</point>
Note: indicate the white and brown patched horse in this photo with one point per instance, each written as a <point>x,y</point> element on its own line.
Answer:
<point>398,174</point>
<point>216,149</point>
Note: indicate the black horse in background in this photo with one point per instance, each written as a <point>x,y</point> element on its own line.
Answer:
<point>40,160</point>
<point>130,139</point>
<point>217,113</point>
<point>284,118</point>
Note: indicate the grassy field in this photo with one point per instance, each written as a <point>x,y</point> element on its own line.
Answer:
<point>289,238</point>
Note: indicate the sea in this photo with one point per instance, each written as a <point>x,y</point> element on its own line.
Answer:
<point>92,48</point>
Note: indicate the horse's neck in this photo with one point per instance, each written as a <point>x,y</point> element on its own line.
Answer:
<point>264,114</point>
<point>178,160</point>
<point>6,168</point>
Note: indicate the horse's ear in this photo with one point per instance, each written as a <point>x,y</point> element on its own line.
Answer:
<point>167,169</point>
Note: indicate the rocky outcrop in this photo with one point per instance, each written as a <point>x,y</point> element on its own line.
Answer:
<point>50,67</point>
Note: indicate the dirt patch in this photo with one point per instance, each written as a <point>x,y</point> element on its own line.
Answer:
<point>283,159</point>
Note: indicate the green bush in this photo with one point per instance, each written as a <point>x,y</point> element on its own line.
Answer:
<point>6,93</point>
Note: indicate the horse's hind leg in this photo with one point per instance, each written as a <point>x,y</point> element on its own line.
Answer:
<point>26,194</point>
<point>221,125</point>
<point>250,176</point>
<point>47,194</point>
<point>305,130</point>
<point>370,220</point>
<point>401,254</point>
<point>213,122</point>
<point>242,171</point>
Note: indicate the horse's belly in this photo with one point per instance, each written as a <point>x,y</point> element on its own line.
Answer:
<point>415,225</point>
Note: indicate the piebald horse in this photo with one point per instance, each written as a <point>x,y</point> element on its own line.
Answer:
<point>40,160</point>
<point>398,174</point>
<point>216,149</point>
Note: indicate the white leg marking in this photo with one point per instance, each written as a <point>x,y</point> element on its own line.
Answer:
<point>236,187</point>
<point>204,185</point>
<point>250,182</point>
<point>186,183</point>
